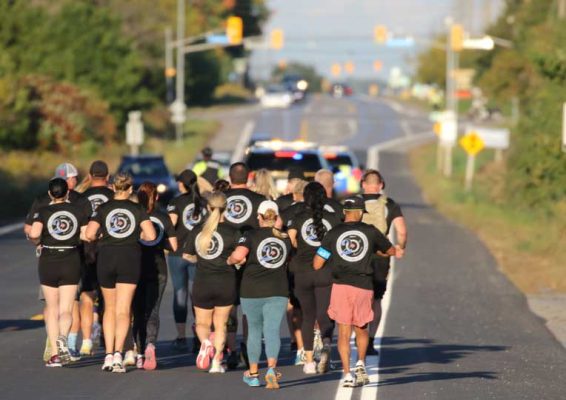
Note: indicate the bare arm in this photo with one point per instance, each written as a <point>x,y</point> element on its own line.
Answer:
<point>91,231</point>
<point>148,231</point>
<point>318,262</point>
<point>293,236</point>
<point>83,234</point>
<point>35,232</point>
<point>172,244</point>
<point>238,256</point>
<point>400,232</point>
<point>190,257</point>
<point>174,218</point>
<point>27,229</point>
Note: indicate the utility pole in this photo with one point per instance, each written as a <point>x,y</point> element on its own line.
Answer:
<point>180,77</point>
<point>169,70</point>
<point>561,9</point>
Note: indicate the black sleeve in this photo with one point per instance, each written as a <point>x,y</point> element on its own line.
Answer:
<point>31,215</point>
<point>394,209</point>
<point>246,241</point>
<point>97,215</point>
<point>39,216</point>
<point>190,246</point>
<point>168,226</point>
<point>83,215</point>
<point>143,214</point>
<point>381,242</point>
<point>173,208</point>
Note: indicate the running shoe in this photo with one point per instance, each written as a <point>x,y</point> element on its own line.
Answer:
<point>204,355</point>
<point>75,355</point>
<point>324,363</point>
<point>371,351</point>
<point>244,354</point>
<point>362,377</point>
<point>47,350</point>
<point>309,368</point>
<point>272,379</point>
<point>63,350</point>
<point>233,360</point>
<point>251,379</point>
<point>129,359</point>
<point>108,361</point>
<point>348,381</point>
<point>118,363</point>
<point>300,357</point>
<point>180,345</point>
<point>139,361</point>
<point>150,362</point>
<point>86,348</point>
<point>54,361</point>
<point>317,344</point>
<point>216,367</point>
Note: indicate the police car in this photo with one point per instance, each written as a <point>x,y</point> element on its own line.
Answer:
<point>279,156</point>
<point>346,168</point>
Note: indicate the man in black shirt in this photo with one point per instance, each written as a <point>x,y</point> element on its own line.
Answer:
<point>242,203</point>
<point>349,249</point>
<point>326,179</point>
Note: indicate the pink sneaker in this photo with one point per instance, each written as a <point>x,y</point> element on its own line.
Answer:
<point>150,362</point>
<point>204,355</point>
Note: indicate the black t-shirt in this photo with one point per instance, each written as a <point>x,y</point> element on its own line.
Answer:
<point>241,208</point>
<point>163,228</point>
<point>183,207</point>
<point>98,195</point>
<point>213,263</point>
<point>393,210</point>
<point>44,200</point>
<point>284,202</point>
<point>290,212</point>
<point>265,272</point>
<point>307,243</point>
<point>61,224</point>
<point>120,222</point>
<point>334,206</point>
<point>350,248</point>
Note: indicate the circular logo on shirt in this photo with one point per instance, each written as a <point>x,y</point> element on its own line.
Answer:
<point>62,225</point>
<point>239,209</point>
<point>190,220</point>
<point>308,232</point>
<point>96,200</point>
<point>328,207</point>
<point>272,253</point>
<point>120,223</point>
<point>352,246</point>
<point>214,249</point>
<point>159,231</point>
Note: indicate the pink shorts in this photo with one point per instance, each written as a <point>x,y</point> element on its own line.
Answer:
<point>350,305</point>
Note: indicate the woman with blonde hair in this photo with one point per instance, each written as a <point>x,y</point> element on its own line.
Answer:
<point>214,288</point>
<point>263,184</point>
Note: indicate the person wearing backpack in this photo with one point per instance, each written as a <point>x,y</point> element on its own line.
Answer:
<point>382,212</point>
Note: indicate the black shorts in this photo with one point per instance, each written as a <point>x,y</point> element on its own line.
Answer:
<point>89,280</point>
<point>59,267</point>
<point>118,264</point>
<point>292,298</point>
<point>381,267</point>
<point>213,292</point>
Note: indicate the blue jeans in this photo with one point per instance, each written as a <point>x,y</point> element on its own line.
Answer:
<point>264,315</point>
<point>181,272</point>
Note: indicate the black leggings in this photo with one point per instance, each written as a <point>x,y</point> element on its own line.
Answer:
<point>313,291</point>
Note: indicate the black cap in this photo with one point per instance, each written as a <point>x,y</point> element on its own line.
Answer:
<point>99,169</point>
<point>296,173</point>
<point>58,188</point>
<point>354,203</point>
<point>206,152</point>
<point>187,178</point>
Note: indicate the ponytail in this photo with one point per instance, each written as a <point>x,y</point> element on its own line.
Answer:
<point>147,196</point>
<point>196,199</point>
<point>217,204</point>
<point>315,198</point>
<point>270,218</point>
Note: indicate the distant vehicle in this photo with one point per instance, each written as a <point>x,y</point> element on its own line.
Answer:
<point>346,167</point>
<point>278,157</point>
<point>339,90</point>
<point>297,85</point>
<point>150,168</point>
<point>276,96</point>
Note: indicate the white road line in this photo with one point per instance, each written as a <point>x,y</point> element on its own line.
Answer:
<point>238,154</point>
<point>4,230</point>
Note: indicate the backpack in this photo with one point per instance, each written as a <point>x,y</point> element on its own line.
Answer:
<point>377,213</point>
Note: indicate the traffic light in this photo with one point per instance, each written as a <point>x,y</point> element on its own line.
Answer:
<point>380,34</point>
<point>457,37</point>
<point>336,69</point>
<point>170,72</point>
<point>235,30</point>
<point>349,67</point>
<point>377,65</point>
<point>277,39</point>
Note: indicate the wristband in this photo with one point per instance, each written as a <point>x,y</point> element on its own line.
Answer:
<point>322,252</point>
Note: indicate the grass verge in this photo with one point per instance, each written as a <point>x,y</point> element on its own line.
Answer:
<point>24,174</point>
<point>528,245</point>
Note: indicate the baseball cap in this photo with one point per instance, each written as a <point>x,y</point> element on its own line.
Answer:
<point>296,173</point>
<point>98,169</point>
<point>187,177</point>
<point>58,187</point>
<point>207,152</point>
<point>267,205</point>
<point>355,203</point>
<point>65,171</point>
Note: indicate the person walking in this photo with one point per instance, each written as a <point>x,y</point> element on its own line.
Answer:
<point>349,249</point>
<point>264,290</point>
<point>326,178</point>
<point>121,223</point>
<point>207,168</point>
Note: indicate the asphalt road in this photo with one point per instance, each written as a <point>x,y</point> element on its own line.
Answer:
<point>455,327</point>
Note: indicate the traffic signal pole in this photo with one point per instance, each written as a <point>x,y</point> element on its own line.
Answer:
<point>180,76</point>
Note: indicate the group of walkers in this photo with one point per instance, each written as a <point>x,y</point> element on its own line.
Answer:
<point>106,251</point>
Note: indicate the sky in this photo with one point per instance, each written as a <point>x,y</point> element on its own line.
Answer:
<point>325,32</point>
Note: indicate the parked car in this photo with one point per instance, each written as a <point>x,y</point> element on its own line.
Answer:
<point>276,96</point>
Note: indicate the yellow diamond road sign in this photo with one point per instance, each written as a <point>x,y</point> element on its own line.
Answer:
<point>472,143</point>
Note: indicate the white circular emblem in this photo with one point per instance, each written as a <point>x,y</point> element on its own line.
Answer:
<point>62,225</point>
<point>352,246</point>
<point>329,208</point>
<point>215,249</point>
<point>96,200</point>
<point>120,223</point>
<point>159,231</point>
<point>239,209</point>
<point>272,253</point>
<point>189,220</point>
<point>309,233</point>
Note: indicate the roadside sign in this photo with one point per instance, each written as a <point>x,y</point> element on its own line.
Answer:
<point>178,112</point>
<point>448,128</point>
<point>134,131</point>
<point>564,128</point>
<point>492,138</point>
<point>483,43</point>
<point>472,143</point>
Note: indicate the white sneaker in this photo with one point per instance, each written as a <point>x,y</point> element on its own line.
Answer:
<point>108,361</point>
<point>362,377</point>
<point>216,367</point>
<point>309,368</point>
<point>348,381</point>
<point>118,364</point>
<point>130,359</point>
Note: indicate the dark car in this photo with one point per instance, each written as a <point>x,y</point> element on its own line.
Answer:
<point>296,85</point>
<point>150,168</point>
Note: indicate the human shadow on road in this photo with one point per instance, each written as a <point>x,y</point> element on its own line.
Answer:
<point>13,325</point>
<point>435,376</point>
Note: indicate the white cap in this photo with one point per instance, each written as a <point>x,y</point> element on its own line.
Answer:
<point>267,205</point>
<point>65,171</point>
